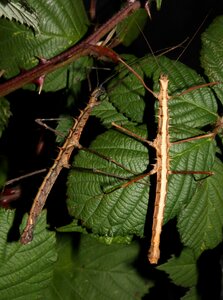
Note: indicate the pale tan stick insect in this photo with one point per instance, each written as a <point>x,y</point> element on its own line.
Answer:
<point>162,167</point>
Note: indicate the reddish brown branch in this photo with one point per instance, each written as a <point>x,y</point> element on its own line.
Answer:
<point>69,55</point>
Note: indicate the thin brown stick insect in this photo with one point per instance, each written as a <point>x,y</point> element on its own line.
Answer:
<point>62,161</point>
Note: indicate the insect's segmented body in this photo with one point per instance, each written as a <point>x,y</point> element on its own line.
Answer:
<point>62,161</point>
<point>162,145</point>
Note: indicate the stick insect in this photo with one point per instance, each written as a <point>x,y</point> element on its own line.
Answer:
<point>62,161</point>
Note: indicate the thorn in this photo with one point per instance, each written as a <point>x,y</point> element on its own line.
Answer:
<point>147,8</point>
<point>2,72</point>
<point>39,82</point>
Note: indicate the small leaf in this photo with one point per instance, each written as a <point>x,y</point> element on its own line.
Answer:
<point>3,171</point>
<point>72,227</point>
<point>128,30</point>
<point>200,222</point>
<point>70,76</point>
<point>126,92</point>
<point>108,113</point>
<point>182,270</point>
<point>191,295</point>
<point>5,113</point>
<point>25,270</point>
<point>212,53</point>
<point>21,12</point>
<point>65,123</point>
<point>158,4</point>
<point>108,240</point>
<point>96,271</point>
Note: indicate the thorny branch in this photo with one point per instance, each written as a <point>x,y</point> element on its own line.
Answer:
<point>69,55</point>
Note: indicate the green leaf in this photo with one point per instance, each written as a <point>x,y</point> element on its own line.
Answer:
<point>191,295</point>
<point>197,155</point>
<point>64,124</point>
<point>128,30</point>
<point>126,93</point>
<point>158,4</point>
<point>182,270</point>
<point>194,109</point>
<point>3,170</point>
<point>62,24</point>
<point>25,270</point>
<point>200,222</point>
<point>96,271</point>
<point>108,113</point>
<point>72,227</point>
<point>5,114</point>
<point>70,76</point>
<point>212,53</point>
<point>19,11</point>
<point>104,207</point>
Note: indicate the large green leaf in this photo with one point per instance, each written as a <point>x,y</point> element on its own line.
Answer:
<point>194,109</point>
<point>25,270</point>
<point>212,53</point>
<point>200,222</point>
<point>195,155</point>
<point>103,207</point>
<point>182,270</point>
<point>126,93</point>
<point>96,271</point>
<point>62,24</point>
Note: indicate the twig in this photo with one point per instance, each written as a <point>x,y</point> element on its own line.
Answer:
<point>11,181</point>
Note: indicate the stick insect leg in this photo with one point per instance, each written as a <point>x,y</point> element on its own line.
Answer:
<point>132,134</point>
<point>188,172</point>
<point>42,123</point>
<point>199,137</point>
